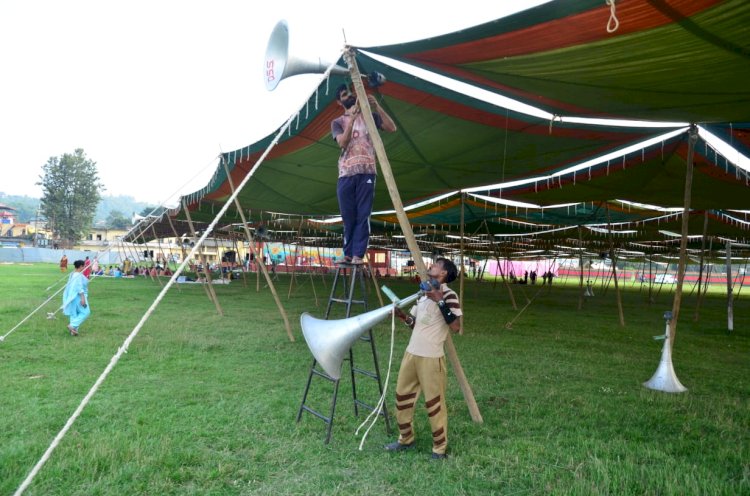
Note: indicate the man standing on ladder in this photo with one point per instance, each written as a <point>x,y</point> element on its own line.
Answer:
<point>423,367</point>
<point>356,183</point>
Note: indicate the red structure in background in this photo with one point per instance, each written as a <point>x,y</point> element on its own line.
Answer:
<point>380,262</point>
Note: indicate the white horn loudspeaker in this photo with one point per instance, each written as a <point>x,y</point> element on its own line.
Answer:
<point>330,340</point>
<point>280,65</point>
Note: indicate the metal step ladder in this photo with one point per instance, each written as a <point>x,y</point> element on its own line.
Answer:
<point>345,281</point>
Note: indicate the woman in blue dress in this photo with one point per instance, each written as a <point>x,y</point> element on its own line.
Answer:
<point>76,298</point>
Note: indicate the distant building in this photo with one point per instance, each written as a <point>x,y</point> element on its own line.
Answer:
<point>7,220</point>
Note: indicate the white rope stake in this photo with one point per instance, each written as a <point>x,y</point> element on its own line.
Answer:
<point>612,23</point>
<point>379,407</point>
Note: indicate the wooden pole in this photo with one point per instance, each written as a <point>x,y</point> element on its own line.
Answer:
<point>158,244</point>
<point>496,250</point>
<point>461,274</point>
<point>403,221</point>
<point>209,286</point>
<point>730,298</point>
<point>259,261</point>
<point>650,277</point>
<point>700,270</point>
<point>294,263</point>
<point>614,269</point>
<point>692,138</point>
<point>580,266</point>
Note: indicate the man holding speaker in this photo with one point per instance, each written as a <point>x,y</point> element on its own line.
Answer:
<point>423,367</point>
<point>356,183</point>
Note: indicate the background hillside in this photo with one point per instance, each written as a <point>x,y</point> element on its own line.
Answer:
<point>27,206</point>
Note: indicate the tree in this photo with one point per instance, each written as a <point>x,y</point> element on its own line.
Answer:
<point>70,193</point>
<point>117,220</point>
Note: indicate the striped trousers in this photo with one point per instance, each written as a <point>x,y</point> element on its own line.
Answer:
<point>426,375</point>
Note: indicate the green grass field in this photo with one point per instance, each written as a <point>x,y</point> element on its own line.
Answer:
<point>207,405</point>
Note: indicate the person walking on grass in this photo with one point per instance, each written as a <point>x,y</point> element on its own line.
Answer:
<point>423,367</point>
<point>76,298</point>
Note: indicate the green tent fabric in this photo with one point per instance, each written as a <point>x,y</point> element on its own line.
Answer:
<point>446,141</point>
<point>682,60</point>
<point>655,175</point>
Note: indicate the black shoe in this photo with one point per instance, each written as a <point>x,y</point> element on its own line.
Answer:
<point>396,446</point>
<point>439,456</point>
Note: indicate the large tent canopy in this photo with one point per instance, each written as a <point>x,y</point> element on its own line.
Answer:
<point>672,63</point>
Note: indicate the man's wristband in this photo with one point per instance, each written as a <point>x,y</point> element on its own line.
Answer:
<point>447,314</point>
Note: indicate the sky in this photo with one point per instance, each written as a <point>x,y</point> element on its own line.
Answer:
<point>154,91</point>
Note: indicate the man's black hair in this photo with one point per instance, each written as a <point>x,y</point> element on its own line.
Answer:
<point>79,263</point>
<point>341,88</point>
<point>449,267</point>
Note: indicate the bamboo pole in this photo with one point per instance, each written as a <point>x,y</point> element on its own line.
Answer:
<point>461,274</point>
<point>499,267</point>
<point>692,138</point>
<point>158,244</point>
<point>236,246</point>
<point>259,261</point>
<point>650,277</point>
<point>730,299</point>
<point>580,266</point>
<point>700,269</point>
<point>614,269</point>
<point>182,249</point>
<point>403,220</point>
<point>208,286</point>
<point>294,263</point>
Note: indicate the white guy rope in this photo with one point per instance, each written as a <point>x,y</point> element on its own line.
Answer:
<point>126,344</point>
<point>379,407</point>
<point>2,338</point>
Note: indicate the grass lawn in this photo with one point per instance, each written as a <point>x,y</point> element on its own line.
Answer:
<point>207,405</point>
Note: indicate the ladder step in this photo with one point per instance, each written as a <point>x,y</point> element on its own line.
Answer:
<point>322,374</point>
<point>306,408</point>
<point>370,408</point>
<point>346,300</point>
<point>365,372</point>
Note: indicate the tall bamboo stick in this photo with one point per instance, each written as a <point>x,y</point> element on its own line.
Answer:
<point>403,220</point>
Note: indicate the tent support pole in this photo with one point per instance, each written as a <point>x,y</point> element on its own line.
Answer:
<point>206,270</point>
<point>403,221</point>
<point>650,277</point>
<point>237,252</point>
<point>614,268</point>
<point>730,296</point>
<point>692,138</point>
<point>322,272</point>
<point>179,240</point>
<point>375,281</point>
<point>158,244</point>
<point>294,262</point>
<point>461,273</point>
<point>700,270</point>
<point>580,267</point>
<point>259,261</point>
<point>500,268</point>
